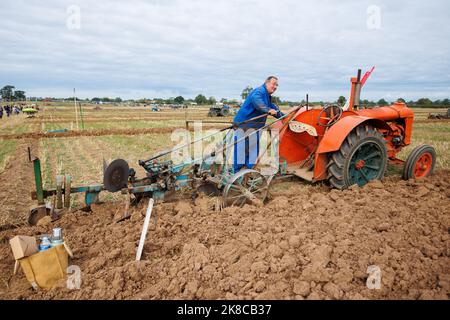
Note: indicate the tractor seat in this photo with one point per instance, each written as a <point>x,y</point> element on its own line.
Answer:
<point>299,127</point>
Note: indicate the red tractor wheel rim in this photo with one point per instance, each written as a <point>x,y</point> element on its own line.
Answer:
<point>360,164</point>
<point>423,165</point>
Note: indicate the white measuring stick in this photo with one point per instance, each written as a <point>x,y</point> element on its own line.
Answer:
<point>144,230</point>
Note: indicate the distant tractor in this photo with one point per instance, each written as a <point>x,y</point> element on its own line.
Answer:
<point>440,115</point>
<point>30,111</point>
<point>220,111</point>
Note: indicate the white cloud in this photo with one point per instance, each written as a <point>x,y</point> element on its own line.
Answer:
<point>164,48</point>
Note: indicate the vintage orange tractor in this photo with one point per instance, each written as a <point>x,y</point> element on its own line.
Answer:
<point>344,146</point>
<point>350,145</point>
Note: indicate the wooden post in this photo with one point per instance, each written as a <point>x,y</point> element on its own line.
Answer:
<point>144,230</point>
<point>67,189</point>
<point>76,110</point>
<point>59,183</point>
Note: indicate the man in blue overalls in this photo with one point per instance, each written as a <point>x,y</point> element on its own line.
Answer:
<point>258,102</point>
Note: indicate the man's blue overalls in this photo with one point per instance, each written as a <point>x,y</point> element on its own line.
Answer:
<point>257,103</point>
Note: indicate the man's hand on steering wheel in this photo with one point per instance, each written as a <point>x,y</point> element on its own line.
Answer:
<point>272,112</point>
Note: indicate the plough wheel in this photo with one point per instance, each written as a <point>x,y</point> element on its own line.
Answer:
<point>115,176</point>
<point>37,214</point>
<point>246,186</point>
<point>420,162</point>
<point>361,158</point>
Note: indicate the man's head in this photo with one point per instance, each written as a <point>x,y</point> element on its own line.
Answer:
<point>271,84</point>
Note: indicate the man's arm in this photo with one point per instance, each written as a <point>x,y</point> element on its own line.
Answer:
<point>278,114</point>
<point>259,104</point>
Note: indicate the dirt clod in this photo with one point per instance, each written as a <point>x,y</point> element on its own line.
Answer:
<point>302,288</point>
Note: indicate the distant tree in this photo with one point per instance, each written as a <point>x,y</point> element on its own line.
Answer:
<point>19,95</point>
<point>424,102</point>
<point>364,102</point>
<point>276,100</point>
<point>201,99</point>
<point>401,100</point>
<point>445,102</point>
<point>437,102</point>
<point>341,100</point>
<point>382,102</point>
<point>7,92</point>
<point>179,100</point>
<point>223,100</point>
<point>118,100</point>
<point>96,99</point>
<point>212,100</point>
<point>246,92</point>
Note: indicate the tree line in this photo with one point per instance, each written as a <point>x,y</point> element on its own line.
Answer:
<point>420,103</point>
<point>8,93</point>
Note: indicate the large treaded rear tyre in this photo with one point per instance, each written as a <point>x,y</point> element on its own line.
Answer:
<point>361,158</point>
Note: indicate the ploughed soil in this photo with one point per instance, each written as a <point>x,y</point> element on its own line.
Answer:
<point>307,242</point>
<point>16,184</point>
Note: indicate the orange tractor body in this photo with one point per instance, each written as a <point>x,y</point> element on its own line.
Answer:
<point>353,145</point>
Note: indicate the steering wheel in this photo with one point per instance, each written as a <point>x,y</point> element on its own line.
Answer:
<point>331,114</point>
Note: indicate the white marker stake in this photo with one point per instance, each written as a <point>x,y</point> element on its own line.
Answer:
<point>144,230</point>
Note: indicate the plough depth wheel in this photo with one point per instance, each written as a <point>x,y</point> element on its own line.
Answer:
<point>246,186</point>
<point>115,176</point>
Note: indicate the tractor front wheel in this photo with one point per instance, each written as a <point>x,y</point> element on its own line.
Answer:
<point>361,158</point>
<point>420,162</point>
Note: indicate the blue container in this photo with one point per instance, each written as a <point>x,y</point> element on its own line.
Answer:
<point>45,244</point>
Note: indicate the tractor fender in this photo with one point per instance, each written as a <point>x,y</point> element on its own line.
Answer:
<point>336,134</point>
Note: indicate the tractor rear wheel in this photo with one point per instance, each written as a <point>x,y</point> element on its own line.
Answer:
<point>420,162</point>
<point>361,158</point>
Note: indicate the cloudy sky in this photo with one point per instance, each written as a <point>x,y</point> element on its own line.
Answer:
<point>165,48</point>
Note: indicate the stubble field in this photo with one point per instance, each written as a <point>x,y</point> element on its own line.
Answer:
<point>307,243</point>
